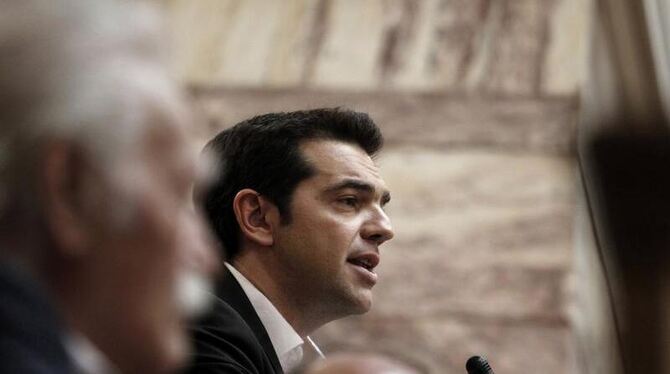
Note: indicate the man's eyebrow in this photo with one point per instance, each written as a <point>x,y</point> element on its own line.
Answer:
<point>355,184</point>
<point>359,185</point>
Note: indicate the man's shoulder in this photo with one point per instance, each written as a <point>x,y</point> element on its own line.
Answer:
<point>224,324</point>
<point>224,343</point>
<point>30,329</point>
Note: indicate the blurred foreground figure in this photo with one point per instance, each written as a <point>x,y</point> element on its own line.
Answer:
<point>359,363</point>
<point>97,238</point>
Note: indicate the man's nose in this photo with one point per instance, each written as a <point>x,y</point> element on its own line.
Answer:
<point>378,228</point>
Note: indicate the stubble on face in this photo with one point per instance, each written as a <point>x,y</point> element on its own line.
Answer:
<point>333,215</point>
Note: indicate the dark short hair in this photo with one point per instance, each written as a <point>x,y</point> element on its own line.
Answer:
<point>262,153</point>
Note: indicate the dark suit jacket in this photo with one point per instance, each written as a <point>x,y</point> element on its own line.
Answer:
<point>231,338</point>
<point>31,330</point>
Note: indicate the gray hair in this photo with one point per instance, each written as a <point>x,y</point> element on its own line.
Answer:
<point>73,70</point>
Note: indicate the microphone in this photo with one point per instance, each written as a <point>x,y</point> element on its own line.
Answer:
<point>478,365</point>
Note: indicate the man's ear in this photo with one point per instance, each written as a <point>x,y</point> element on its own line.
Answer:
<point>255,214</point>
<point>63,179</point>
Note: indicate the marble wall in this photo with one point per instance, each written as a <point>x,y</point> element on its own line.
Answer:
<point>478,102</point>
<point>515,47</point>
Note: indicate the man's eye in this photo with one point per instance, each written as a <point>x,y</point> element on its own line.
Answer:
<point>349,201</point>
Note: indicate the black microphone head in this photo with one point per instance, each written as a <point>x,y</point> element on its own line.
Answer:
<point>478,365</point>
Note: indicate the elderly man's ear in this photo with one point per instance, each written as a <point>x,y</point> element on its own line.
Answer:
<point>257,216</point>
<point>68,183</point>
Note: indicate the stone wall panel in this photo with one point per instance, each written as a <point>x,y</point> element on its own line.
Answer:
<point>443,345</point>
<point>501,47</point>
<point>350,52</point>
<point>472,239</point>
<point>433,120</point>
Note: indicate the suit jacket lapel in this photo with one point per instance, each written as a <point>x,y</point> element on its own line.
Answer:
<point>232,293</point>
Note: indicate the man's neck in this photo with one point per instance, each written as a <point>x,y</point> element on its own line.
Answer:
<point>270,283</point>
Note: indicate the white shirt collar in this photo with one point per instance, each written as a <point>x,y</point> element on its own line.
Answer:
<point>86,357</point>
<point>285,340</point>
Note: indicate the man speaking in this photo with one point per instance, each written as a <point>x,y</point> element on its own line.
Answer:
<point>298,205</point>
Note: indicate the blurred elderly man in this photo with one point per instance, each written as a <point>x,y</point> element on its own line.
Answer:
<point>96,230</point>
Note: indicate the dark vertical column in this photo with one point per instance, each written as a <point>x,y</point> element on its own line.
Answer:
<point>629,176</point>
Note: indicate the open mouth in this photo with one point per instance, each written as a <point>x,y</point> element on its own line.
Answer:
<point>367,261</point>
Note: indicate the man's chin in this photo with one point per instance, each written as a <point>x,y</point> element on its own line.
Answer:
<point>165,348</point>
<point>177,351</point>
<point>194,294</point>
<point>363,309</point>
<point>362,303</point>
